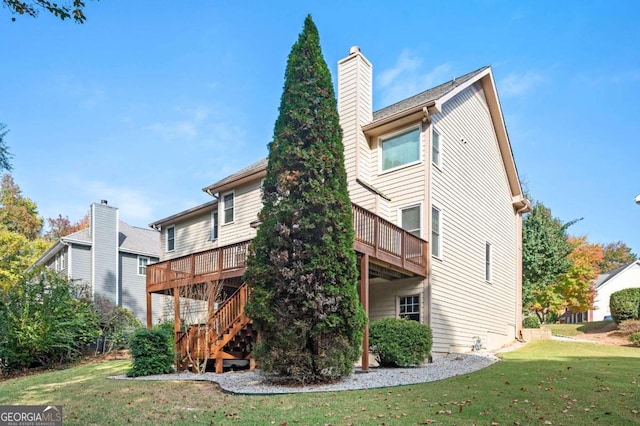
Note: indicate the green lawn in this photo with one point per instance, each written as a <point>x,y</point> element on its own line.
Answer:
<point>575,330</point>
<point>545,382</point>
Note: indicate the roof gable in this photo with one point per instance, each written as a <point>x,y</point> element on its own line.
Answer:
<point>606,277</point>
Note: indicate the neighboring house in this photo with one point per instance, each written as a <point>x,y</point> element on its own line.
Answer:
<point>437,215</point>
<point>111,256</point>
<point>626,276</point>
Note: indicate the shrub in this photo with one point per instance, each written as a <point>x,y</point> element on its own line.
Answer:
<point>629,327</point>
<point>152,352</point>
<point>635,338</point>
<point>625,305</point>
<point>399,342</point>
<point>117,325</point>
<point>531,322</point>
<point>43,322</point>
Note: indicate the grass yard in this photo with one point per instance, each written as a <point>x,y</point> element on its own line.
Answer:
<point>545,382</point>
<point>576,330</point>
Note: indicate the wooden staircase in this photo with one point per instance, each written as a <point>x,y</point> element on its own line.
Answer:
<point>228,335</point>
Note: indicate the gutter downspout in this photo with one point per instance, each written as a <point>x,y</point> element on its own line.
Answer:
<point>525,208</point>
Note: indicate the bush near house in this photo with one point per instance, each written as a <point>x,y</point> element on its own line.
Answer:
<point>531,322</point>
<point>45,320</point>
<point>635,338</point>
<point>625,305</point>
<point>400,342</point>
<point>153,352</point>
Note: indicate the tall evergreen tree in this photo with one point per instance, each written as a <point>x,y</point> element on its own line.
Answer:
<point>303,270</point>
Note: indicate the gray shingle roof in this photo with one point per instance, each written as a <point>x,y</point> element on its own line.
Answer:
<point>424,97</point>
<point>247,171</point>
<point>132,238</point>
<point>139,240</point>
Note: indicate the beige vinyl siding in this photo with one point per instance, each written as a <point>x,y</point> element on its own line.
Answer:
<point>383,297</point>
<point>404,186</point>
<point>474,196</point>
<point>191,236</point>
<point>247,205</point>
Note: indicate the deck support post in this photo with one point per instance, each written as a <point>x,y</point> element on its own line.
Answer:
<point>364,299</point>
<point>149,314</point>
<point>176,322</point>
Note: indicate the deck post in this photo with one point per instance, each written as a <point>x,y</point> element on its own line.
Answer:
<point>176,323</point>
<point>149,316</point>
<point>364,299</point>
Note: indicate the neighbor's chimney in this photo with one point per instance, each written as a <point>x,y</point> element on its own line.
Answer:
<point>104,202</point>
<point>355,106</point>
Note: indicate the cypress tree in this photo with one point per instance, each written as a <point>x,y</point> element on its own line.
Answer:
<point>303,270</point>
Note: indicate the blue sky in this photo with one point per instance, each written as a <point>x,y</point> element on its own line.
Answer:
<point>148,102</point>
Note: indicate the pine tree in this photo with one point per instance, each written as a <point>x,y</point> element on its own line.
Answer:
<point>303,270</point>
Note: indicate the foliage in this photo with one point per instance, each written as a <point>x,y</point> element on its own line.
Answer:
<point>399,342</point>
<point>17,213</point>
<point>575,288</point>
<point>5,156</point>
<point>616,255</point>
<point>62,226</point>
<point>17,253</point>
<point>531,321</point>
<point>303,269</point>
<point>635,338</point>
<point>43,322</point>
<point>544,257</point>
<point>625,305</point>
<point>72,10</point>
<point>117,325</point>
<point>629,327</point>
<point>152,353</point>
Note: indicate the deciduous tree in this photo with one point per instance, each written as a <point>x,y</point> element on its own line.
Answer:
<point>303,270</point>
<point>72,9</point>
<point>545,251</point>
<point>62,226</point>
<point>615,255</point>
<point>17,213</point>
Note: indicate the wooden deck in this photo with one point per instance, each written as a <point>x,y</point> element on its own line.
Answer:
<point>385,243</point>
<point>227,334</point>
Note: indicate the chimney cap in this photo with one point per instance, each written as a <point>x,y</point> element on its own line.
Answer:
<point>354,50</point>
<point>104,202</point>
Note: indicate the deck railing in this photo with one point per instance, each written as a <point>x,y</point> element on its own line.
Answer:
<point>374,235</point>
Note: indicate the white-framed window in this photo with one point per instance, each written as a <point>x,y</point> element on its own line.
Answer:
<point>63,260</point>
<point>409,307</point>
<point>214,225</point>
<point>170,238</point>
<point>228,209</point>
<point>436,232</point>
<point>488,259</point>
<point>142,265</point>
<point>410,219</point>
<point>399,149</point>
<point>436,147</point>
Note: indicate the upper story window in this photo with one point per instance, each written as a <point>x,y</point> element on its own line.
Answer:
<point>436,232</point>
<point>170,239</point>
<point>436,140</point>
<point>214,225</point>
<point>142,265</point>
<point>410,220</point>
<point>400,149</point>
<point>228,207</point>
<point>409,307</point>
<point>488,254</point>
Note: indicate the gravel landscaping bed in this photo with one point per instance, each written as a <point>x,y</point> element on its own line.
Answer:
<point>254,383</point>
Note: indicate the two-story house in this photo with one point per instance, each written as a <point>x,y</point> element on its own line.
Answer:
<point>111,256</point>
<point>437,215</point>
